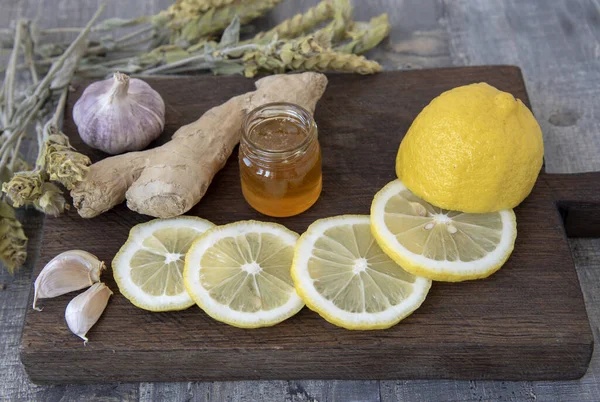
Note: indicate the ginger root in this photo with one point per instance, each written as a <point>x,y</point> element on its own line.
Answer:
<point>169,180</point>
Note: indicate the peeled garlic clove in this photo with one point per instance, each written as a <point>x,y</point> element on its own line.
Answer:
<point>85,309</point>
<point>119,114</point>
<point>67,272</point>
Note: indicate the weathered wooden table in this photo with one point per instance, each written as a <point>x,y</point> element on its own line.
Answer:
<point>557,45</point>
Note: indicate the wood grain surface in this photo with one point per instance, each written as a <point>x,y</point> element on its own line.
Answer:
<point>556,45</point>
<point>528,321</point>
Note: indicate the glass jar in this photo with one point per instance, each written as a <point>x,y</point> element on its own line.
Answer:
<point>280,159</point>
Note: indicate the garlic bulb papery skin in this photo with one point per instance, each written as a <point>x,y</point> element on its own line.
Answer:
<point>67,272</point>
<point>85,309</point>
<point>119,114</point>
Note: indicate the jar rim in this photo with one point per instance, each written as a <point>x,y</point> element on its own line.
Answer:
<point>298,111</point>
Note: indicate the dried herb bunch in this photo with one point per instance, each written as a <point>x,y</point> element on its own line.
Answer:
<point>204,35</point>
<point>21,185</point>
<point>190,36</point>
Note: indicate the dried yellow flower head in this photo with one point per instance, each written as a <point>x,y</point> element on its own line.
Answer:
<point>310,53</point>
<point>13,242</point>
<point>24,187</point>
<point>61,161</point>
<point>190,24</point>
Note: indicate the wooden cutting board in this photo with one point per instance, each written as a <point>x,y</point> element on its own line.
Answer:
<point>526,322</point>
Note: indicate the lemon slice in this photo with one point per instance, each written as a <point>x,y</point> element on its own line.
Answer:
<point>148,267</point>
<point>439,244</point>
<point>341,273</point>
<point>239,274</point>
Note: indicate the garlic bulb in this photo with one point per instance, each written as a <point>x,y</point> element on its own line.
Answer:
<point>85,309</point>
<point>119,114</point>
<point>67,272</point>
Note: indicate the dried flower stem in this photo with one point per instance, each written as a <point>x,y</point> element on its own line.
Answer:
<point>60,30</point>
<point>29,56</point>
<point>17,133</point>
<point>134,34</point>
<point>179,63</point>
<point>59,63</point>
<point>116,62</point>
<point>60,107</point>
<point>127,46</point>
<point>121,41</point>
<point>9,88</point>
<point>192,68</point>
<point>15,154</point>
<point>39,131</point>
<point>25,66</point>
<point>201,57</point>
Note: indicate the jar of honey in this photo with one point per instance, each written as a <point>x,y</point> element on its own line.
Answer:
<point>280,159</point>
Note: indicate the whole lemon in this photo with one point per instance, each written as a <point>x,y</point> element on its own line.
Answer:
<point>473,149</point>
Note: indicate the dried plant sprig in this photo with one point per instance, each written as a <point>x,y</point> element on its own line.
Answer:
<point>9,80</point>
<point>29,45</point>
<point>58,64</point>
<point>110,24</point>
<point>188,30</point>
<point>57,161</point>
<point>15,128</point>
<point>336,30</point>
<point>183,56</point>
<point>300,23</point>
<point>30,187</point>
<point>365,35</point>
<point>61,162</point>
<point>348,37</point>
<point>52,201</point>
<point>315,51</point>
<point>161,55</point>
<point>306,54</point>
<point>25,187</point>
<point>13,242</point>
<point>56,157</point>
<point>64,75</point>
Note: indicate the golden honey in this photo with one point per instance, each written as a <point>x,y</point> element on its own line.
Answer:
<point>280,160</point>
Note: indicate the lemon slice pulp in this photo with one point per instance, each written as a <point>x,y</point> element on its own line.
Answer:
<point>341,273</point>
<point>148,268</point>
<point>440,244</point>
<point>239,274</point>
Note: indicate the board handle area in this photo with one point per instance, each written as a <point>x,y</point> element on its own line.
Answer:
<point>577,197</point>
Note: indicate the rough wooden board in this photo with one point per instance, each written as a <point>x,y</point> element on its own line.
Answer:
<point>525,322</point>
<point>472,28</point>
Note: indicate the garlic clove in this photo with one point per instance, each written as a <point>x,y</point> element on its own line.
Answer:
<point>85,309</point>
<point>67,272</point>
